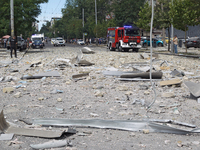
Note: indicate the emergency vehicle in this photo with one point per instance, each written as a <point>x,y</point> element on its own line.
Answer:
<point>38,37</point>
<point>124,38</point>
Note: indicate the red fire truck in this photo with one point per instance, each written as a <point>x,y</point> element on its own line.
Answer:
<point>123,38</point>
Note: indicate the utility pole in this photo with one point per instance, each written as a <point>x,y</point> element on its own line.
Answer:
<point>172,36</point>
<point>83,25</point>
<point>96,11</point>
<point>12,18</point>
<point>96,15</point>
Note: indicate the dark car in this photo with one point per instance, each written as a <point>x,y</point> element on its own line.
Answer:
<point>193,42</point>
<point>37,44</point>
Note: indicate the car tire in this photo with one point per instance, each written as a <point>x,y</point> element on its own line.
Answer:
<point>136,49</point>
<point>145,45</point>
<point>110,47</point>
<point>160,44</point>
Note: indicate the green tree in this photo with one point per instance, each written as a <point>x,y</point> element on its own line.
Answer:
<point>183,15</point>
<point>126,11</point>
<point>144,17</point>
<point>162,17</point>
<point>25,13</point>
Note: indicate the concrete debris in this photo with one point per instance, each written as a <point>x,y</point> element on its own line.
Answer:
<point>50,144</point>
<point>128,125</point>
<point>98,93</point>
<point>171,82</point>
<point>193,88</point>
<point>168,95</point>
<point>18,95</point>
<point>6,137</point>
<point>7,128</point>
<point>80,75</point>
<point>136,101</point>
<point>8,90</point>
<point>41,75</point>
<point>59,99</point>
<point>87,50</point>
<point>177,73</point>
<point>145,56</point>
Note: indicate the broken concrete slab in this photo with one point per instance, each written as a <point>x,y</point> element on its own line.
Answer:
<point>177,73</point>
<point>170,82</point>
<point>41,75</point>
<point>145,56</point>
<point>144,75</point>
<point>87,50</point>
<point>6,137</point>
<point>50,144</point>
<point>194,88</point>
<point>168,95</point>
<point>8,129</point>
<point>127,125</point>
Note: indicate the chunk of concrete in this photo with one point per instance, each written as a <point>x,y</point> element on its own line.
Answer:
<point>8,90</point>
<point>193,88</point>
<point>168,95</point>
<point>87,50</point>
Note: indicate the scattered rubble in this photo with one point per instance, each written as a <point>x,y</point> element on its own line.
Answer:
<point>113,89</point>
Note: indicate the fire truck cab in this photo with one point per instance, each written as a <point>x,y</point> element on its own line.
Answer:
<point>124,38</point>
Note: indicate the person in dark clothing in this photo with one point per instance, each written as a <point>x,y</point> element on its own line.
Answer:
<point>13,44</point>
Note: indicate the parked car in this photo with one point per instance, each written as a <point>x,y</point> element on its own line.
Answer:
<point>37,44</point>
<point>80,42</point>
<point>59,42</point>
<point>21,44</point>
<point>158,42</point>
<point>193,42</point>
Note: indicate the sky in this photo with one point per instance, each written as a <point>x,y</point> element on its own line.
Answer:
<point>49,10</point>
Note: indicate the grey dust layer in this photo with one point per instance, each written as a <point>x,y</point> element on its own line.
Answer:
<point>92,95</point>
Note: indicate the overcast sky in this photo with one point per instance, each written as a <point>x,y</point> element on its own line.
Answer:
<point>49,10</point>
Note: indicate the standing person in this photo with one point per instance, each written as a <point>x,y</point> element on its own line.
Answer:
<point>90,40</point>
<point>175,40</point>
<point>13,44</point>
<point>4,40</point>
<point>28,42</point>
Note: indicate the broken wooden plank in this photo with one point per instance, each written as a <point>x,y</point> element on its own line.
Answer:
<point>170,82</point>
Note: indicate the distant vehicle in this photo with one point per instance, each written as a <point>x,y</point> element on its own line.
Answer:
<point>37,44</point>
<point>21,43</point>
<point>80,42</point>
<point>158,42</point>
<point>59,42</point>
<point>192,42</point>
<point>35,37</point>
<point>53,40</point>
<point>123,38</point>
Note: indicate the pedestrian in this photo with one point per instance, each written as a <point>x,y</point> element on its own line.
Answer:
<point>175,40</point>
<point>4,40</point>
<point>13,44</point>
<point>90,40</point>
<point>28,42</point>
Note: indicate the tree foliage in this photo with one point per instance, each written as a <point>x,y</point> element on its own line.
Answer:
<point>25,13</point>
<point>144,17</point>
<point>126,11</point>
<point>183,15</point>
<point>71,21</point>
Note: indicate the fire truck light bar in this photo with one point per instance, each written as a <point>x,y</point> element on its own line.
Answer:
<point>127,26</point>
